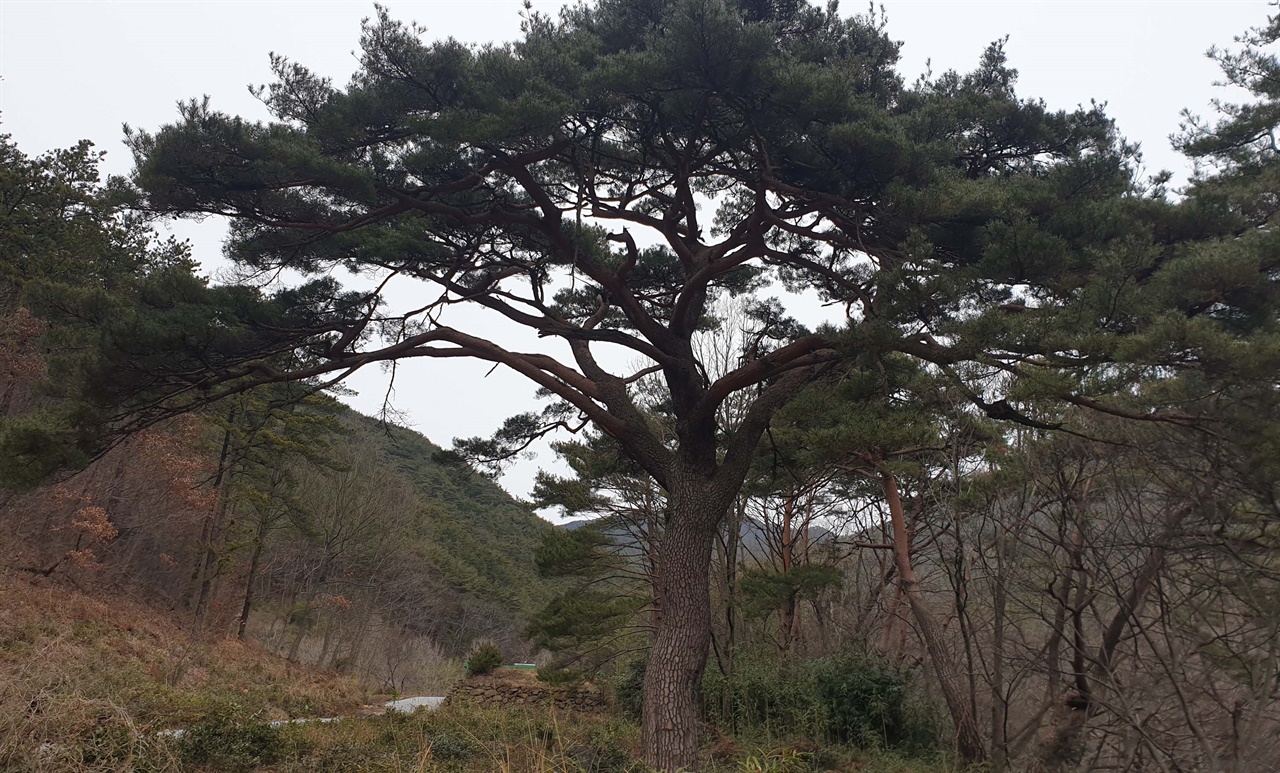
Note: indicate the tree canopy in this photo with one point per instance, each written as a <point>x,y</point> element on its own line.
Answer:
<point>730,148</point>
<point>605,177</point>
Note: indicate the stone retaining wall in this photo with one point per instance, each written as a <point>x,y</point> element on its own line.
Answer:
<point>490,691</point>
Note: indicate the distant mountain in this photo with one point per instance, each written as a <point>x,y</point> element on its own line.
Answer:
<point>470,536</point>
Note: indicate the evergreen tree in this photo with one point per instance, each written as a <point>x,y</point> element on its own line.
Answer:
<point>604,178</point>
<point>607,561</point>
<point>261,437</point>
<point>71,253</point>
<point>597,618</point>
<point>1225,280</point>
<point>120,330</point>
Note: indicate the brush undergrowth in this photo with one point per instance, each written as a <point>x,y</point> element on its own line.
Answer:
<point>88,684</point>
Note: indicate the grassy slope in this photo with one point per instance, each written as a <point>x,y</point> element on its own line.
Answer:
<point>96,677</point>
<point>88,681</point>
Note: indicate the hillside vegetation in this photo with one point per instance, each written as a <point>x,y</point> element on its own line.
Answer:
<point>355,549</point>
<point>87,681</point>
<point>95,683</point>
<point>1012,507</point>
<point>472,532</point>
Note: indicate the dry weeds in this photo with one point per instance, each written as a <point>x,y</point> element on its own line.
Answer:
<point>87,681</point>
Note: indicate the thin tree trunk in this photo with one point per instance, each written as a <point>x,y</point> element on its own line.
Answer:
<point>254,562</point>
<point>209,567</point>
<point>1079,655</point>
<point>1087,669</point>
<point>733,535</point>
<point>968,739</point>
<point>786,614</point>
<point>1062,598</point>
<point>888,573</point>
<point>292,657</point>
<point>327,641</point>
<point>1131,603</point>
<point>356,645</point>
<point>1066,738</point>
<point>1096,669</point>
<point>999,701</point>
<point>961,589</point>
<point>206,529</point>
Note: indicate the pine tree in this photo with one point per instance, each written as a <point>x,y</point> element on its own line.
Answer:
<point>603,179</point>
<point>104,321</point>
<point>1224,282</point>
<point>71,252</point>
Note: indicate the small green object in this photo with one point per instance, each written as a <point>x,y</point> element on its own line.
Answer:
<point>484,659</point>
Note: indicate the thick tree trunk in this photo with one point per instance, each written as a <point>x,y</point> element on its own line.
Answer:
<point>682,638</point>
<point>968,739</point>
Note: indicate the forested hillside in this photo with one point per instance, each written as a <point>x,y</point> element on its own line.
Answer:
<point>332,538</point>
<point>1012,505</point>
<point>368,545</point>
<point>470,535</point>
<point>278,514</point>
<point>472,532</point>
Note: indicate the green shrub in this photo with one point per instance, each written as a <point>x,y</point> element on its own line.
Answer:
<point>766,695</point>
<point>484,658</point>
<point>776,761</point>
<point>628,688</point>
<point>606,751</point>
<point>225,743</point>
<point>112,745</point>
<point>557,676</point>
<point>863,700</point>
<point>853,697</point>
<point>450,746</point>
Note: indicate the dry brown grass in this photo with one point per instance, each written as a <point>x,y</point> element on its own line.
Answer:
<point>466,738</point>
<point>87,681</point>
<point>519,675</point>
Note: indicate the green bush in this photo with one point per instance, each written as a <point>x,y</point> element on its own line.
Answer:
<point>111,745</point>
<point>853,698</point>
<point>224,743</point>
<point>863,700</point>
<point>628,688</point>
<point>557,676</point>
<point>450,746</point>
<point>766,695</point>
<point>607,752</point>
<point>776,761</point>
<point>484,658</point>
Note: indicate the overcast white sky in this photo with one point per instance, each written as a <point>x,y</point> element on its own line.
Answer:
<point>75,69</point>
